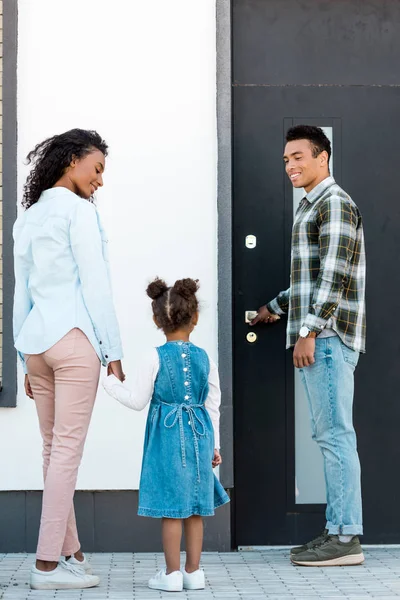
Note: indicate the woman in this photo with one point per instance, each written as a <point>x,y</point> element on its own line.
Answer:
<point>64,327</point>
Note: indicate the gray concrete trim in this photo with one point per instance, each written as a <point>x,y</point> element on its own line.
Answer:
<point>224,203</point>
<point>107,522</point>
<point>8,395</point>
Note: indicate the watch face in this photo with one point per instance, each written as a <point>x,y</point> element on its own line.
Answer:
<point>304,331</point>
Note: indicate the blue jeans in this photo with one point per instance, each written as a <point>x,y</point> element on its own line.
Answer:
<point>329,385</point>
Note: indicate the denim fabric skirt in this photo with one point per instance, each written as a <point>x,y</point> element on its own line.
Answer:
<point>177,479</point>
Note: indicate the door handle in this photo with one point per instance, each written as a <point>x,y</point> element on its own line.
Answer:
<point>249,315</point>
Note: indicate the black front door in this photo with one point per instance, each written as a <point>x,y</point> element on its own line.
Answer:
<point>332,64</point>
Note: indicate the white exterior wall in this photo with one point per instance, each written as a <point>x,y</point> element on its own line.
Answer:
<point>143,74</point>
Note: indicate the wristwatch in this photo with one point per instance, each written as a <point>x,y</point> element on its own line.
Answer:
<point>306,333</point>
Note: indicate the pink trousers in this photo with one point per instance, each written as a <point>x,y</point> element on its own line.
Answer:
<point>64,382</point>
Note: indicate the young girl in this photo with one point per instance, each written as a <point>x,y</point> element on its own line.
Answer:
<point>181,444</point>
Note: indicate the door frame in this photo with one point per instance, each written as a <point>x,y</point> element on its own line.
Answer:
<point>224,210</point>
<point>8,391</point>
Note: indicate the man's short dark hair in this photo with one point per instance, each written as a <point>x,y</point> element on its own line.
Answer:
<point>317,138</point>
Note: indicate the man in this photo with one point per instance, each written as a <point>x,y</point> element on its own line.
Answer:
<point>326,326</point>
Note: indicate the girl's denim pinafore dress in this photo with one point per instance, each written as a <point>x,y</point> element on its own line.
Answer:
<point>177,478</point>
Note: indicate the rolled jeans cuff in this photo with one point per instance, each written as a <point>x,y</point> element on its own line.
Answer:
<point>344,529</point>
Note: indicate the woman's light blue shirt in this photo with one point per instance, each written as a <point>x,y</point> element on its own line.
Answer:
<point>62,277</point>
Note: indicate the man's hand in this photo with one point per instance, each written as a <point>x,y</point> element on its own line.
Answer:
<point>217,460</point>
<point>304,351</point>
<point>28,389</point>
<point>115,368</point>
<point>264,316</point>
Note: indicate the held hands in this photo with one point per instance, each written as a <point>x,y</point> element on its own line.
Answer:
<point>115,368</point>
<point>264,316</point>
<point>304,350</point>
<point>217,460</point>
<point>28,389</point>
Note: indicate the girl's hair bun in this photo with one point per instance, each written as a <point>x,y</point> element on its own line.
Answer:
<point>186,288</point>
<point>156,288</point>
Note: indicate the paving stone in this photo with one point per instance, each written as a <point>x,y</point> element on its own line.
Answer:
<point>257,575</point>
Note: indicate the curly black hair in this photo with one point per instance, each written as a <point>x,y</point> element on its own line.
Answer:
<point>174,307</point>
<point>315,135</point>
<point>51,157</point>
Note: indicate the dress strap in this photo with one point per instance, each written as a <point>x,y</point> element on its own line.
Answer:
<point>197,425</point>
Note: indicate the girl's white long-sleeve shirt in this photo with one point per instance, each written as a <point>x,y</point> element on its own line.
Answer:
<point>138,396</point>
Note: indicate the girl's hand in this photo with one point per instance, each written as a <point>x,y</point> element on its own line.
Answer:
<point>217,459</point>
<point>28,389</point>
<point>115,368</point>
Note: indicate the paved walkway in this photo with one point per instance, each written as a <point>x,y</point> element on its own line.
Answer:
<point>237,575</point>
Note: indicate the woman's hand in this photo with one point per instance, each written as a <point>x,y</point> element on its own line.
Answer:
<point>115,368</point>
<point>28,389</point>
<point>217,459</point>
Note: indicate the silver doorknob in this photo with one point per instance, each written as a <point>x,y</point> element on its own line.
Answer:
<point>249,315</point>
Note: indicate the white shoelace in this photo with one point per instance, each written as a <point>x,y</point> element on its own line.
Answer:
<point>75,569</point>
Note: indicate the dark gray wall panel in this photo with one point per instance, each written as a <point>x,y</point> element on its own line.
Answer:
<point>107,522</point>
<point>12,521</point>
<point>33,509</point>
<point>316,42</point>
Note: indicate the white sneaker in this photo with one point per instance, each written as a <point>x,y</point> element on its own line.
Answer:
<point>83,564</point>
<point>194,581</point>
<point>63,577</point>
<point>168,583</point>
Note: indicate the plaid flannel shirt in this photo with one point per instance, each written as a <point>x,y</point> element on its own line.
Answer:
<point>327,282</point>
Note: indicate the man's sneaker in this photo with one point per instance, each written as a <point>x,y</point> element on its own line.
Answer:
<point>311,544</point>
<point>331,552</point>
<point>193,581</point>
<point>63,577</point>
<point>168,583</point>
<point>84,564</point>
